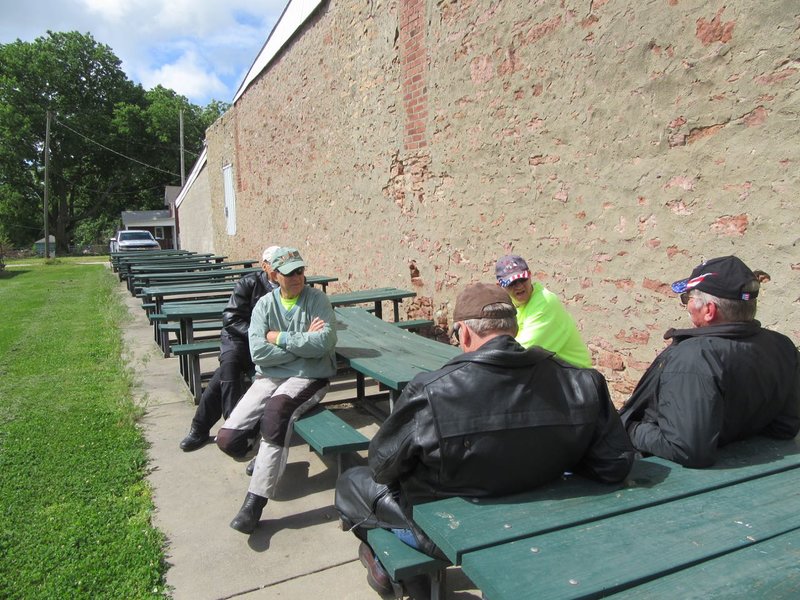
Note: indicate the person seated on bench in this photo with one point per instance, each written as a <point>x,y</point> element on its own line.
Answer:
<point>542,319</point>
<point>723,380</point>
<point>226,385</point>
<point>498,419</point>
<point>293,344</point>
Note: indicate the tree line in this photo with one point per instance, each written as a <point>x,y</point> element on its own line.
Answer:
<point>114,146</point>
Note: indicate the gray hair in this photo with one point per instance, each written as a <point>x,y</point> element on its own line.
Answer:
<point>730,311</point>
<point>497,321</point>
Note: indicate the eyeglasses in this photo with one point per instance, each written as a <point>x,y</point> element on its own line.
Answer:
<point>517,282</point>
<point>296,272</point>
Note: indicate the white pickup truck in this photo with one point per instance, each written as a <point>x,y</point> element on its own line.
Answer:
<point>133,239</point>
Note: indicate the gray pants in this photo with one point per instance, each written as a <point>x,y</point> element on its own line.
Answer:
<point>276,404</point>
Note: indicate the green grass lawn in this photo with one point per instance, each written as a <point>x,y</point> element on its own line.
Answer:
<point>74,505</point>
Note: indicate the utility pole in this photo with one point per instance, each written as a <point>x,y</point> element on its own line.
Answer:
<point>46,184</point>
<point>183,170</point>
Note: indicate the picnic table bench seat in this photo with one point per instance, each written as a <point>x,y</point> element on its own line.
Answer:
<point>403,562</point>
<point>414,324</point>
<point>327,434</point>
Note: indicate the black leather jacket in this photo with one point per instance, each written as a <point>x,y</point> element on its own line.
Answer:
<point>497,421</point>
<point>712,386</point>
<point>236,315</point>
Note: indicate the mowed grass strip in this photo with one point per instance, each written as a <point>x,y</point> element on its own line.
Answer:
<point>75,516</point>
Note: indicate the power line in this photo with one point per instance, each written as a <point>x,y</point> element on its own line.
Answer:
<point>88,139</point>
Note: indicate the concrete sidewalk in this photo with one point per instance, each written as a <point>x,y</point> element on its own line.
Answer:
<point>298,550</point>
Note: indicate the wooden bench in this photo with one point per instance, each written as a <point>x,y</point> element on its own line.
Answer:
<point>189,355</point>
<point>327,434</point>
<point>165,329</point>
<point>576,538</point>
<point>402,562</point>
<point>414,324</point>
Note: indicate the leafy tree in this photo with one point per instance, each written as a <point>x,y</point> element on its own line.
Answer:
<point>113,145</point>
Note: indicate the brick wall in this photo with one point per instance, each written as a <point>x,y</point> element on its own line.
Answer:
<point>613,144</point>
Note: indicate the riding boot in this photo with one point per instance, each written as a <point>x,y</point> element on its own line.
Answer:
<point>249,515</point>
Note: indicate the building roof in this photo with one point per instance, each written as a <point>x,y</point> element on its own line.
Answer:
<point>196,169</point>
<point>147,218</point>
<point>171,193</point>
<point>292,18</point>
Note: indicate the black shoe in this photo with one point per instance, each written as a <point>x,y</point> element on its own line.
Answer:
<point>377,577</point>
<point>196,439</point>
<point>251,466</point>
<point>249,515</point>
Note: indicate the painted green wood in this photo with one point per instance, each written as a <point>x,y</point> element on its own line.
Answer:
<point>612,554</point>
<point>386,353</point>
<point>769,569</point>
<point>327,434</point>
<point>186,288</point>
<point>458,525</point>
<point>205,310</point>
<point>400,560</point>
<point>196,347</point>
<point>199,326</point>
<point>365,296</point>
<point>412,324</point>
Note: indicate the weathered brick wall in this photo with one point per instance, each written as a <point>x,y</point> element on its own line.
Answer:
<point>612,143</point>
<point>194,216</point>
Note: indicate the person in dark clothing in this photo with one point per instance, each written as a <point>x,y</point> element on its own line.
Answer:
<point>724,380</point>
<point>496,420</point>
<point>226,385</point>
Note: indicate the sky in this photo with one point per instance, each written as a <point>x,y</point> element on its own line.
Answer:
<point>201,49</point>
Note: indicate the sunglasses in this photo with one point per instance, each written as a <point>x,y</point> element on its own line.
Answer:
<point>296,272</point>
<point>685,297</point>
<point>455,335</point>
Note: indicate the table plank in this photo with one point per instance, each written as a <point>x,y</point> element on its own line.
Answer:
<point>458,525</point>
<point>618,552</point>
<point>769,569</point>
<point>375,296</point>
<point>386,353</point>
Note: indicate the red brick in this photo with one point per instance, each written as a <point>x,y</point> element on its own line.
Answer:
<point>636,336</point>
<point>731,224</point>
<point>714,30</point>
<point>657,286</point>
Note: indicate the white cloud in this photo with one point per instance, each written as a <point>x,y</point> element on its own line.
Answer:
<point>199,48</point>
<point>187,76</point>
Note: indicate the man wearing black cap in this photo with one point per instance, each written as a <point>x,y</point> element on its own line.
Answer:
<point>726,379</point>
<point>496,420</point>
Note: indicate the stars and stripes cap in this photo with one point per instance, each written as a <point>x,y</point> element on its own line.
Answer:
<point>509,268</point>
<point>723,277</point>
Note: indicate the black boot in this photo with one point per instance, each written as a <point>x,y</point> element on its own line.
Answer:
<point>196,439</point>
<point>251,466</point>
<point>250,513</point>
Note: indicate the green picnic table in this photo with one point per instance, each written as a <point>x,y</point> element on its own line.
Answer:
<point>385,352</point>
<point>188,314</point>
<point>376,297</point>
<point>154,297</point>
<point>667,532</point>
